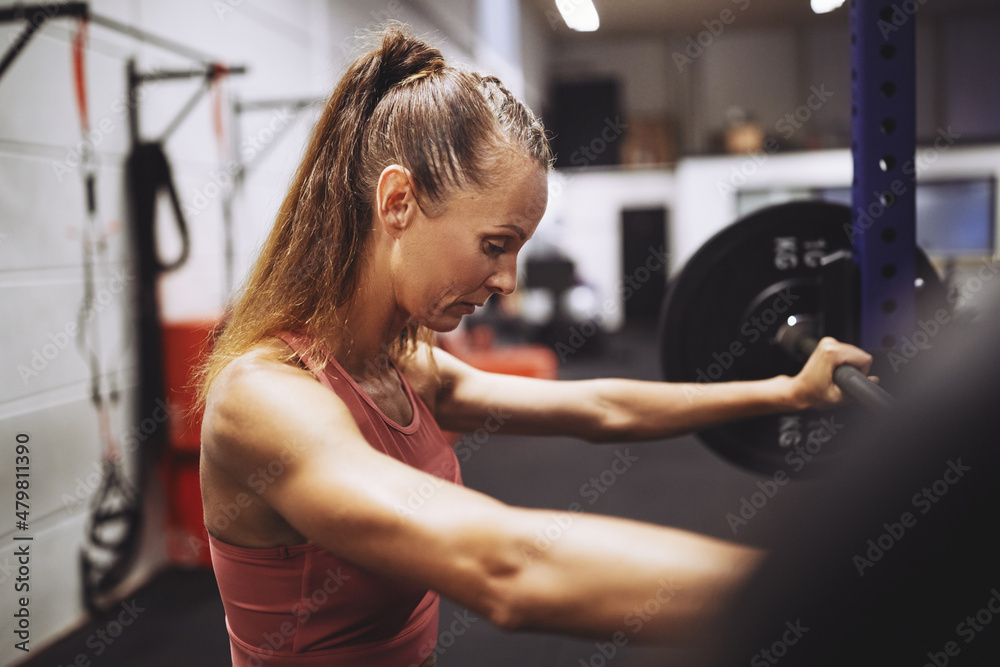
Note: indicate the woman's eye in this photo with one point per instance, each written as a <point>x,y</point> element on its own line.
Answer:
<point>494,249</point>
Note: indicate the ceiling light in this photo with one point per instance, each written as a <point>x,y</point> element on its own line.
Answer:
<point>824,6</point>
<point>579,14</point>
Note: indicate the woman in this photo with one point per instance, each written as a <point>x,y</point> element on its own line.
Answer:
<point>334,505</point>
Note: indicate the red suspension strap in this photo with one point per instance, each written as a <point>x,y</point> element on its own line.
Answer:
<point>93,245</point>
<point>79,73</point>
<point>219,72</point>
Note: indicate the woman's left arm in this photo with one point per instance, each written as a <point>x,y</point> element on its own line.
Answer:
<point>620,410</point>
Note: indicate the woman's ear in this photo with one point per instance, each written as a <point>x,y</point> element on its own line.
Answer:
<point>395,205</point>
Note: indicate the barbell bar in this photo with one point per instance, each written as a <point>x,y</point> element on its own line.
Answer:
<point>797,338</point>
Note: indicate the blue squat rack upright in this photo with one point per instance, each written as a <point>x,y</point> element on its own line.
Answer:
<point>883,128</point>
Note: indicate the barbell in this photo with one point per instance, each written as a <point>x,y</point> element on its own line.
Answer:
<point>752,303</point>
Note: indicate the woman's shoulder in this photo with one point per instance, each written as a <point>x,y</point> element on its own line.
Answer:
<point>259,399</point>
<point>252,374</point>
<point>268,357</point>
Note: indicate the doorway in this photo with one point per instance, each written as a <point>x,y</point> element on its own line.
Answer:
<point>644,269</point>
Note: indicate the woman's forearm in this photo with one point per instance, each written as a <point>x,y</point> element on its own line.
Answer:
<point>604,577</point>
<point>639,410</point>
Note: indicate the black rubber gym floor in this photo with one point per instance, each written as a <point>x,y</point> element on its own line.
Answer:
<point>677,483</point>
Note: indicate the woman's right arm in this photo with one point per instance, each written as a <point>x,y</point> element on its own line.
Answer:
<point>523,569</point>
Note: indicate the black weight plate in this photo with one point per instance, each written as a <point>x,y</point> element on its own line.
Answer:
<point>722,313</point>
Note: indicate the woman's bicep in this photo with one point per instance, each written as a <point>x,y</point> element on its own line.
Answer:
<point>471,399</point>
<point>388,517</point>
<point>394,519</point>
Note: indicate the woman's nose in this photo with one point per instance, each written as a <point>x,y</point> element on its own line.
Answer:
<point>504,280</point>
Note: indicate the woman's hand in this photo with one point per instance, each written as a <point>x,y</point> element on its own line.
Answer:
<point>813,387</point>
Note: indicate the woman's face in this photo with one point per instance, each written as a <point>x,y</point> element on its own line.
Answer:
<point>452,263</point>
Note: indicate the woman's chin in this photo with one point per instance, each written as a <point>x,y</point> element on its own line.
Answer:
<point>441,323</point>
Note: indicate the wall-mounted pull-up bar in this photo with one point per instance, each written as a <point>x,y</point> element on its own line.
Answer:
<point>37,14</point>
<point>210,73</point>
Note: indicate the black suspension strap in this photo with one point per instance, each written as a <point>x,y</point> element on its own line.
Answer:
<point>147,175</point>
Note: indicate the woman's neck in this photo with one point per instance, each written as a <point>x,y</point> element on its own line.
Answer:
<point>373,324</point>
